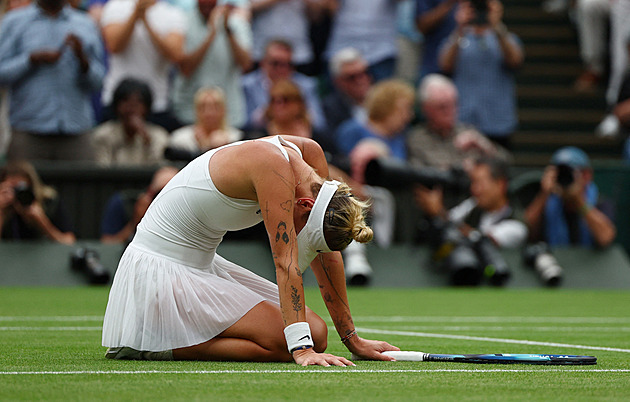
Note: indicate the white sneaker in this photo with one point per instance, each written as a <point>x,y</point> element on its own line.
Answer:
<point>609,127</point>
<point>357,268</point>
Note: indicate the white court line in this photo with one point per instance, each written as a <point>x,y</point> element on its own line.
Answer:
<point>499,320</point>
<point>51,328</point>
<point>480,319</point>
<point>488,339</point>
<point>67,318</point>
<point>319,370</point>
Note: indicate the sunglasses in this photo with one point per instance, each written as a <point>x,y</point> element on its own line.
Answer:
<point>283,99</point>
<point>354,76</point>
<point>279,63</point>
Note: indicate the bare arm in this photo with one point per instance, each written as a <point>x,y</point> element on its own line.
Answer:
<point>242,57</point>
<point>117,36</point>
<point>170,46</point>
<point>512,53</point>
<point>535,210</point>
<point>329,271</point>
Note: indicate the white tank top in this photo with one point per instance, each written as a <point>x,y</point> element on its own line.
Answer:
<point>188,219</point>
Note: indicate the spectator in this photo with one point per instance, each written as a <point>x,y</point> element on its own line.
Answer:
<point>144,38</point>
<point>28,208</point>
<point>276,65</point>
<point>50,78</point>
<point>5,127</point>
<point>287,20</point>
<point>218,43</point>
<point>130,139</point>
<point>125,209</point>
<point>389,106</point>
<point>567,209</point>
<point>482,56</point>
<point>443,141</point>
<point>592,23</point>
<point>351,81</point>
<point>409,41</point>
<point>370,27</point>
<point>211,129</point>
<point>487,213</point>
<point>435,20</point>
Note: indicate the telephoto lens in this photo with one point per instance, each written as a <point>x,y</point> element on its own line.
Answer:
<point>87,260</point>
<point>493,265</point>
<point>538,256</point>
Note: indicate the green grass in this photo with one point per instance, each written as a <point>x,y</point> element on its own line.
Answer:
<point>50,350</point>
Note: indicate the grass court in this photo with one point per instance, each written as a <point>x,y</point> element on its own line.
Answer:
<point>50,350</point>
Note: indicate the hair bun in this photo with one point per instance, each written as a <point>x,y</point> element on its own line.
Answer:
<point>362,233</point>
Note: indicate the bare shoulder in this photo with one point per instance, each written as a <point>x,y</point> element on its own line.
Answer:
<point>312,153</point>
<point>237,171</point>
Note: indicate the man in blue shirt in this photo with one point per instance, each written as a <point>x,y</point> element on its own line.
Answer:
<point>51,61</point>
<point>277,65</point>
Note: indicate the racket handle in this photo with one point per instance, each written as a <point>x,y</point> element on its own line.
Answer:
<point>407,356</point>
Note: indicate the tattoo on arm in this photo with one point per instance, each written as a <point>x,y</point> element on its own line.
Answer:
<point>282,233</point>
<point>332,285</point>
<point>296,300</point>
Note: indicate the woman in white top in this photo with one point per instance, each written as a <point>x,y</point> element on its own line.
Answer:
<point>173,297</point>
<point>210,130</point>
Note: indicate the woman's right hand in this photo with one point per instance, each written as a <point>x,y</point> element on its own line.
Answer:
<point>308,357</point>
<point>7,195</point>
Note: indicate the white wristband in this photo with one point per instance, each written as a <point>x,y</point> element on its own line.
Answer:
<point>298,336</point>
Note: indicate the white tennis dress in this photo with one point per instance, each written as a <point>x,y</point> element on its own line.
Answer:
<point>171,289</point>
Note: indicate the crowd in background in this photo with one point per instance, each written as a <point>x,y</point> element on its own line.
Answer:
<point>141,82</point>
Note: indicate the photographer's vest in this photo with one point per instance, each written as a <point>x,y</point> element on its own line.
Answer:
<point>473,219</point>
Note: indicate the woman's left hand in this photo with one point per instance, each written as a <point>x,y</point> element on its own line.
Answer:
<point>370,350</point>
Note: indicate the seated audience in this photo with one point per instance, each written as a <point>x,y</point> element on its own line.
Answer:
<point>217,53</point>
<point>442,141</point>
<point>568,209</point>
<point>125,209</point>
<point>51,63</point>
<point>211,129</point>
<point>351,83</point>
<point>130,139</point>
<point>28,208</point>
<point>276,65</point>
<point>389,106</point>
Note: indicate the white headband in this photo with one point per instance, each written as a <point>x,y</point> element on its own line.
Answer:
<point>311,239</point>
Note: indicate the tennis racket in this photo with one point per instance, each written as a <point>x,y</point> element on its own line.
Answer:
<point>500,358</point>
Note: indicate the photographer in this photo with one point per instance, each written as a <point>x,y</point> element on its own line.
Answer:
<point>567,209</point>
<point>487,214</point>
<point>29,209</point>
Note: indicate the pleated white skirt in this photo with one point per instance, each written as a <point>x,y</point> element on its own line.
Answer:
<point>158,304</point>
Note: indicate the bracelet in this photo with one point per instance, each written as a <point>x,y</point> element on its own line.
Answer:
<point>584,209</point>
<point>298,336</point>
<point>348,336</point>
<point>300,348</point>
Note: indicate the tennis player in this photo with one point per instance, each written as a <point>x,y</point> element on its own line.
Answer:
<point>173,297</point>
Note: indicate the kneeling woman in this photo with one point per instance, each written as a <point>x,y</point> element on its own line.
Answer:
<point>173,297</point>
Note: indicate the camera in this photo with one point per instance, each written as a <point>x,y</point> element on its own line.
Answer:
<point>86,260</point>
<point>467,259</point>
<point>24,194</point>
<point>538,256</point>
<point>565,175</point>
<point>481,12</point>
<point>392,173</point>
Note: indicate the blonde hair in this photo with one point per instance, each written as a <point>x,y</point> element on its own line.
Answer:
<point>26,169</point>
<point>218,95</point>
<point>345,218</point>
<point>380,101</point>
